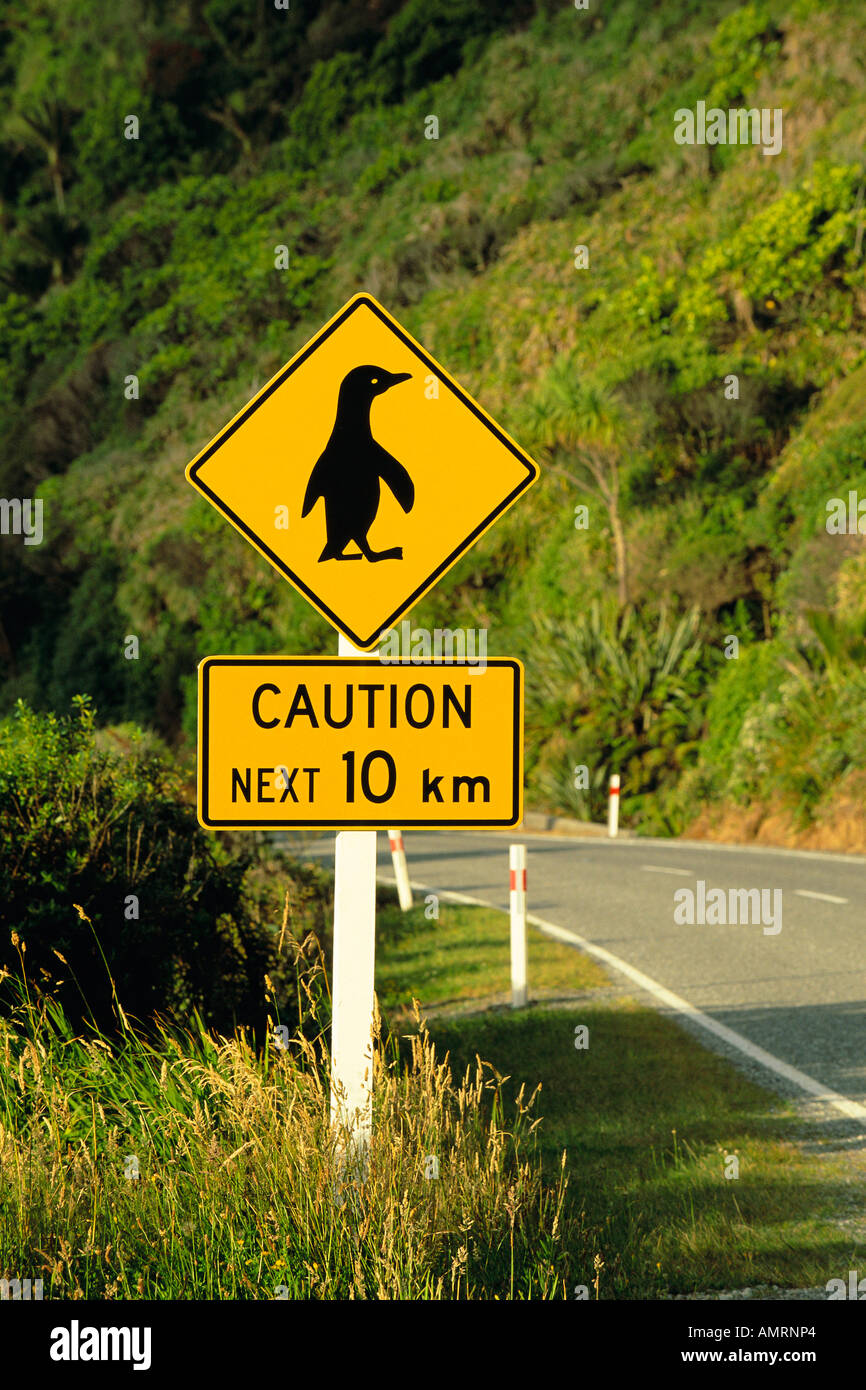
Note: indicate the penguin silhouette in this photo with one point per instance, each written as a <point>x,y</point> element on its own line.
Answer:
<point>348,471</point>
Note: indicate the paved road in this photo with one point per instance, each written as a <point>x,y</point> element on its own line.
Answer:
<point>799,994</point>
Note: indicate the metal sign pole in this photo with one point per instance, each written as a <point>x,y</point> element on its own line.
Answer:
<point>352,976</point>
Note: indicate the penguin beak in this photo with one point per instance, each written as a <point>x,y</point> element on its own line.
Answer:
<point>395,377</point>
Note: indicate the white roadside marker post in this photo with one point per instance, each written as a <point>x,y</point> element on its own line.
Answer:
<point>613,806</point>
<point>517,876</point>
<point>352,977</point>
<point>401,869</point>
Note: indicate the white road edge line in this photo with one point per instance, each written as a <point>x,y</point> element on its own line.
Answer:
<point>628,841</point>
<point>822,897</point>
<point>663,869</point>
<point>851,1109</point>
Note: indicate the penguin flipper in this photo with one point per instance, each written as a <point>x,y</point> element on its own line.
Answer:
<point>315,490</point>
<point>398,480</point>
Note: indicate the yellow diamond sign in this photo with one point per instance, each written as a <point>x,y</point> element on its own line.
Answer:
<point>362,471</point>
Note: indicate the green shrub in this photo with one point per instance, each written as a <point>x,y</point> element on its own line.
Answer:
<point>426,41</point>
<point>615,692</point>
<point>743,43</point>
<point>808,733</point>
<point>751,680</point>
<point>333,91</point>
<point>389,164</point>
<point>110,883</point>
<point>784,722</point>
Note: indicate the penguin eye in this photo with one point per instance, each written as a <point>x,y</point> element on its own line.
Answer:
<point>374,380</point>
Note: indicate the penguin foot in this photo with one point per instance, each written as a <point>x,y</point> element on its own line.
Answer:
<point>329,553</point>
<point>395,553</point>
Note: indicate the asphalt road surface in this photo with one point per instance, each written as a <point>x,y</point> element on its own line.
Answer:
<point>789,1006</point>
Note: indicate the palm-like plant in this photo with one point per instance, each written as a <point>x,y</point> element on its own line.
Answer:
<point>583,431</point>
<point>47,238</point>
<point>832,649</point>
<point>47,124</point>
<point>615,690</point>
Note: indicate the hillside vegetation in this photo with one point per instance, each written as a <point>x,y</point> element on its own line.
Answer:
<point>258,128</point>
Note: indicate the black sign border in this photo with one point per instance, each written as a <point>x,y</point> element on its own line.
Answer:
<point>346,663</point>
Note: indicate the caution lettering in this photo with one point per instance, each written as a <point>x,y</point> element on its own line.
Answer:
<point>366,705</point>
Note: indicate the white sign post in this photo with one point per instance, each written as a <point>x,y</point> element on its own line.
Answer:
<point>352,976</point>
<point>401,869</point>
<point>613,806</point>
<point>517,884</point>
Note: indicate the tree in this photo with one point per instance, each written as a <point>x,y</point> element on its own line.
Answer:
<point>53,238</point>
<point>589,427</point>
<point>47,124</point>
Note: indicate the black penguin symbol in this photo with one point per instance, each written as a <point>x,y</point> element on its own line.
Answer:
<point>348,470</point>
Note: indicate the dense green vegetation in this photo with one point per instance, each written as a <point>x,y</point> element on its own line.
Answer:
<point>112,892</point>
<point>155,258</point>
<point>185,1164</point>
<point>646,1116</point>
<point>207,1169</point>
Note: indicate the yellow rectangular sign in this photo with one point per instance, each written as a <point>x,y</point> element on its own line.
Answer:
<point>355,742</point>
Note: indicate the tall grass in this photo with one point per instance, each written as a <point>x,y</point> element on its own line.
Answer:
<point>178,1163</point>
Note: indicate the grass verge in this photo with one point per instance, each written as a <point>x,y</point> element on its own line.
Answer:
<point>650,1120</point>
<point>175,1163</point>
<point>181,1164</point>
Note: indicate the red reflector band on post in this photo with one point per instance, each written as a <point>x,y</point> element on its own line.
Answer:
<point>517,880</point>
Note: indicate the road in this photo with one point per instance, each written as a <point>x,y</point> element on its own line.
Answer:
<point>796,996</point>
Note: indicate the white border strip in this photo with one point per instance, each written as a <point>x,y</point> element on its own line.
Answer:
<point>666,869</point>
<point>633,842</point>
<point>822,897</point>
<point>851,1109</point>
